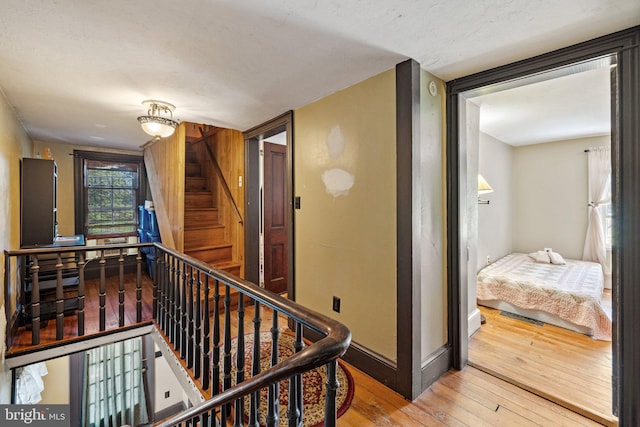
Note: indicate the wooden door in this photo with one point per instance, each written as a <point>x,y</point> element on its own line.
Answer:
<point>275,217</point>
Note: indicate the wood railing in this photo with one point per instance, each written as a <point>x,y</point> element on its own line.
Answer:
<point>65,269</point>
<point>192,307</point>
<point>185,286</point>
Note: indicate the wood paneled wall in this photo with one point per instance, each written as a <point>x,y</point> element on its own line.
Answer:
<point>165,163</point>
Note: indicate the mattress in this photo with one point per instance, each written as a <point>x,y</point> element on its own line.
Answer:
<point>571,292</point>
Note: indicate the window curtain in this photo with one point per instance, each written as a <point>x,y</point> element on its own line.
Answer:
<point>599,161</point>
<point>113,390</point>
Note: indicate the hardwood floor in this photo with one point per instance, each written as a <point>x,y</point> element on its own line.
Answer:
<point>561,365</point>
<point>22,341</point>
<point>459,398</point>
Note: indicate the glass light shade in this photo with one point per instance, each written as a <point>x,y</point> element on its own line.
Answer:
<point>483,185</point>
<point>157,126</point>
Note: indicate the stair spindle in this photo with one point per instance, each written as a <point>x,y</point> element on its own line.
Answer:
<point>215,375</point>
<point>330,415</point>
<point>295,409</point>
<point>81,264</point>
<point>35,302</point>
<point>103,291</point>
<point>154,283</point>
<point>198,326</point>
<point>254,414</point>
<point>121,288</point>
<point>226,361</point>
<point>59,299</point>
<point>184,319</point>
<point>240,356</point>
<point>206,360</point>
<point>273,412</point>
<point>190,319</point>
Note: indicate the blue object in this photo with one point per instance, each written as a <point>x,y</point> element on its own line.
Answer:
<point>143,218</point>
<point>152,222</point>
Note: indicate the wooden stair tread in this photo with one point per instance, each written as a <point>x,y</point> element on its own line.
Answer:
<point>198,192</point>
<point>216,246</point>
<point>202,227</point>
<point>187,209</point>
<point>226,264</point>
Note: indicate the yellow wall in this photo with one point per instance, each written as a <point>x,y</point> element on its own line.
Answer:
<point>56,382</point>
<point>345,236</point>
<point>63,155</point>
<point>14,144</point>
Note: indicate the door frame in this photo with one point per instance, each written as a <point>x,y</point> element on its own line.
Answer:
<point>626,203</point>
<point>253,218</point>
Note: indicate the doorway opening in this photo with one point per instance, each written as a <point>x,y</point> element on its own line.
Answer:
<point>269,215</point>
<point>528,137</point>
<point>625,202</point>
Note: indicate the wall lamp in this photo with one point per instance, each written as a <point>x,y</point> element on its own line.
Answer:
<point>483,188</point>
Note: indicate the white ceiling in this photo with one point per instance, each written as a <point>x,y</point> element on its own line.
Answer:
<point>77,71</point>
<point>570,106</point>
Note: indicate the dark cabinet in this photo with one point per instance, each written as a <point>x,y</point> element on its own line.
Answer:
<point>38,205</point>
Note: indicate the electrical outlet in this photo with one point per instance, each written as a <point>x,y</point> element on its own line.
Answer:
<point>488,259</point>
<point>336,304</point>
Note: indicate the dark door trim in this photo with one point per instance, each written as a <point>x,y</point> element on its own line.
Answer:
<point>626,202</point>
<point>253,224</point>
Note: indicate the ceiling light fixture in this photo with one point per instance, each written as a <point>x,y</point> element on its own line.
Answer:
<point>154,123</point>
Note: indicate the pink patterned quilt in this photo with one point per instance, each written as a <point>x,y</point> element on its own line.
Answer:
<point>572,292</point>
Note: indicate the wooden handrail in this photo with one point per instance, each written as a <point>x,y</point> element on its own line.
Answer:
<point>182,287</point>
<point>326,351</point>
<point>218,171</point>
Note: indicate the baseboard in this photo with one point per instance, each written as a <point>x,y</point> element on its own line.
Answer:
<point>371,363</point>
<point>169,411</point>
<point>474,321</point>
<point>436,365</point>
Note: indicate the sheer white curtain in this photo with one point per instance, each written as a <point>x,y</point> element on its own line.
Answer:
<point>113,392</point>
<point>599,159</point>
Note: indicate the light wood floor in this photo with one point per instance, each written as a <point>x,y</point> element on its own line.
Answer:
<point>556,363</point>
<point>460,398</point>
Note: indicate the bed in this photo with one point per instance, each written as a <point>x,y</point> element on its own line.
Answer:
<point>567,295</point>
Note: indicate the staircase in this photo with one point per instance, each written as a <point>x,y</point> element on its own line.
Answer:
<point>204,235</point>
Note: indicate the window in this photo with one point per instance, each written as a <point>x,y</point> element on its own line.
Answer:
<point>113,389</point>
<point>108,192</point>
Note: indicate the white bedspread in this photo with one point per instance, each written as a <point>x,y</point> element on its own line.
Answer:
<point>572,292</point>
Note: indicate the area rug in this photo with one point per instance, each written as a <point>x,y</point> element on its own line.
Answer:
<point>314,382</point>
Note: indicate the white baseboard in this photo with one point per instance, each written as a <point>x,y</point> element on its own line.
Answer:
<point>474,321</point>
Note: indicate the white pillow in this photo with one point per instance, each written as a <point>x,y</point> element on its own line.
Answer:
<point>542,257</point>
<point>556,258</point>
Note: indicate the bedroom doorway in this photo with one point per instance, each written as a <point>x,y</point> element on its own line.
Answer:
<point>528,138</point>
<point>536,164</point>
<point>625,201</point>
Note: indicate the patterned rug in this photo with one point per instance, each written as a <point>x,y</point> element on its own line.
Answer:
<point>314,382</point>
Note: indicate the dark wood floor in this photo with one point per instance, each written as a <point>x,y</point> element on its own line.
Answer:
<point>22,340</point>
<point>460,398</point>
